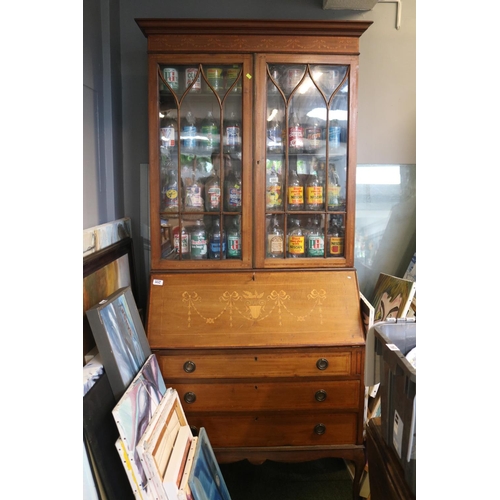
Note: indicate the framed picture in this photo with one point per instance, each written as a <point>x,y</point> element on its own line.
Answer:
<point>205,480</point>
<point>392,297</point>
<point>164,446</point>
<point>104,272</point>
<point>120,338</point>
<point>132,415</point>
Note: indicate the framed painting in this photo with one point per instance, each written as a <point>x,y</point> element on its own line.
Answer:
<point>120,338</point>
<point>392,297</point>
<point>134,484</point>
<point>205,480</point>
<point>104,272</point>
<point>164,446</point>
<point>133,413</point>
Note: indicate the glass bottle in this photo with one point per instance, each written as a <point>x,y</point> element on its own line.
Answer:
<point>275,74</point>
<point>194,195</point>
<point>168,132</point>
<point>199,247</point>
<point>275,240</point>
<point>214,241</point>
<point>215,79</point>
<point>274,190</point>
<point>335,239</point>
<point>232,192</point>
<point>296,240</point>
<point>315,240</point>
<point>232,135</point>
<point>295,192</point>
<point>181,242</point>
<point>189,133</point>
<point>312,132</point>
<point>295,135</point>
<point>166,238</point>
<point>232,74</point>
<point>170,201</point>
<point>212,192</point>
<point>333,188</point>
<point>210,132</point>
<point>309,227</point>
<point>334,130</point>
<point>314,191</point>
<point>234,239</point>
<point>274,135</point>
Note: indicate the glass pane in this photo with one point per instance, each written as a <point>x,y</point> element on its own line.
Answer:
<point>385,237</point>
<point>200,160</point>
<point>306,162</point>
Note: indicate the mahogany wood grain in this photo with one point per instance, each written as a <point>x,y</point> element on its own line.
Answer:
<point>251,309</point>
<point>277,429</point>
<point>260,363</point>
<point>269,396</point>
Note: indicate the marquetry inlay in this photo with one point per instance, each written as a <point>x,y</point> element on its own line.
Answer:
<point>246,306</point>
<point>255,306</point>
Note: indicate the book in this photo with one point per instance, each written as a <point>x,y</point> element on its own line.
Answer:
<point>392,297</point>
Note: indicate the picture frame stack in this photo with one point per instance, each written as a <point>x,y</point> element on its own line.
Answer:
<point>162,458</point>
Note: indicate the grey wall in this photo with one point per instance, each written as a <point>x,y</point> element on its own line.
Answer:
<point>102,106</point>
<point>387,78</point>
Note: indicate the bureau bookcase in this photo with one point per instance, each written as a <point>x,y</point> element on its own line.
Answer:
<point>253,307</point>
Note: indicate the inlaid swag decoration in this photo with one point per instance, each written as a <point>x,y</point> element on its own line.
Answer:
<point>254,306</point>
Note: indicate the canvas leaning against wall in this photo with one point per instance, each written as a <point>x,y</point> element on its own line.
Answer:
<point>392,297</point>
<point>120,338</point>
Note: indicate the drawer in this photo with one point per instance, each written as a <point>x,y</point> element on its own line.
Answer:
<point>297,429</point>
<point>261,363</point>
<point>265,396</point>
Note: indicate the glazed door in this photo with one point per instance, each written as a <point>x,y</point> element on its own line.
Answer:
<point>305,161</point>
<point>200,154</point>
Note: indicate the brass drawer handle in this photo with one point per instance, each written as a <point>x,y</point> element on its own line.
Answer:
<point>190,397</point>
<point>319,429</point>
<point>322,364</point>
<point>189,366</point>
<point>320,395</point>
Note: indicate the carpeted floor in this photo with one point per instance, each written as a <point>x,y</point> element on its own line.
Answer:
<point>325,479</point>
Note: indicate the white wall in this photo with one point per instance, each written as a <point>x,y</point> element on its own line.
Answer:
<point>387,87</point>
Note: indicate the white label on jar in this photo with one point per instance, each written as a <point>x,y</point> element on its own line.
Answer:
<point>190,76</point>
<point>171,77</point>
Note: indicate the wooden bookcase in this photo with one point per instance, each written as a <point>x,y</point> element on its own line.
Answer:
<point>264,344</point>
